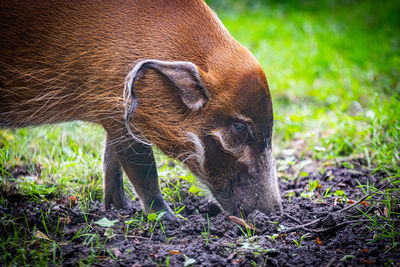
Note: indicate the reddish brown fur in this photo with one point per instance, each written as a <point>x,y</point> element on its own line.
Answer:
<point>68,60</point>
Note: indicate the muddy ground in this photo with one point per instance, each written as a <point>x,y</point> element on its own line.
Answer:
<point>338,237</point>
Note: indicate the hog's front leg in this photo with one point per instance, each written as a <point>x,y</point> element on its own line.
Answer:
<point>138,162</point>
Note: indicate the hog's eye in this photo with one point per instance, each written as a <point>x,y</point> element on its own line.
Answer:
<point>240,128</point>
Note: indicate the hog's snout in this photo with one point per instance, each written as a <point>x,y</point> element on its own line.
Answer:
<point>251,186</point>
<point>255,191</point>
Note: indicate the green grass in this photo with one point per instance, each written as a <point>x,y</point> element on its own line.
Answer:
<point>61,158</point>
<point>334,73</point>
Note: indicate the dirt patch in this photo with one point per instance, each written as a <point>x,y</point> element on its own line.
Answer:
<point>316,231</point>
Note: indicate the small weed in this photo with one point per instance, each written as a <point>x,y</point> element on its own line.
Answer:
<point>167,239</point>
<point>85,208</point>
<point>279,227</point>
<point>312,186</point>
<point>248,232</point>
<point>299,243</point>
<point>139,221</point>
<point>44,222</point>
<point>172,191</point>
<point>153,219</point>
<point>178,210</point>
<point>290,196</point>
<point>273,237</point>
<point>206,233</point>
<point>348,258</point>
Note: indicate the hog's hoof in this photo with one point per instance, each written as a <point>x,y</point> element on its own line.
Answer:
<point>170,216</point>
<point>159,205</point>
<point>117,200</point>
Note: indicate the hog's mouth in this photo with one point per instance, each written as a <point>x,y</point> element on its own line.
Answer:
<point>236,196</point>
<point>247,189</point>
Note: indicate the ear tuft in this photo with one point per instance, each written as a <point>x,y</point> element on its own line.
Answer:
<point>197,105</point>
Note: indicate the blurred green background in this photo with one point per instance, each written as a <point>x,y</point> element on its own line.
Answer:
<point>334,73</point>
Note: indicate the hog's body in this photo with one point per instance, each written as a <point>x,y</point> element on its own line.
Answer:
<point>203,98</point>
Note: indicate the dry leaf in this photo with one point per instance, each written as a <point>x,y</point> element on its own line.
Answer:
<point>153,255</point>
<point>364,250</point>
<point>101,258</point>
<point>365,203</point>
<point>176,252</point>
<point>40,235</point>
<point>237,261</point>
<point>319,241</point>
<point>241,222</point>
<point>72,200</point>
<point>283,235</point>
<point>66,220</point>
<point>338,250</point>
<point>335,201</point>
<point>368,261</point>
<point>318,196</point>
<point>385,212</point>
<point>116,252</point>
<point>139,232</point>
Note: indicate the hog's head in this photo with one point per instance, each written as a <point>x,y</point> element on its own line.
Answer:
<point>218,122</point>
<point>232,151</point>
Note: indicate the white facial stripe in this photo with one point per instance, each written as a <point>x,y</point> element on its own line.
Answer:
<point>242,151</point>
<point>198,154</point>
<point>217,134</point>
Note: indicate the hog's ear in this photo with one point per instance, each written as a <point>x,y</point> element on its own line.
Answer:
<point>182,74</point>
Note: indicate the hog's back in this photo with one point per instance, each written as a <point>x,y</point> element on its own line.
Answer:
<point>67,60</point>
